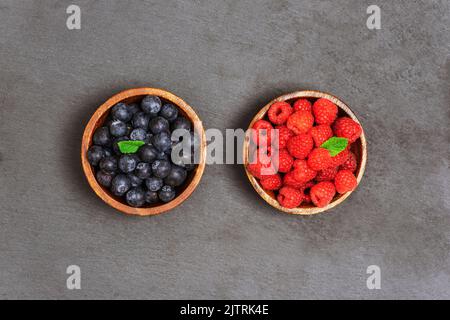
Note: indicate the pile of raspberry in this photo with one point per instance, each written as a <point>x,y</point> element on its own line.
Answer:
<point>297,166</point>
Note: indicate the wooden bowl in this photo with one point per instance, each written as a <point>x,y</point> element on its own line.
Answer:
<point>97,120</point>
<point>359,148</point>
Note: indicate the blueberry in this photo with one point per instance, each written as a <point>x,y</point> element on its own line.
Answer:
<point>140,120</point>
<point>143,170</point>
<point>138,134</point>
<point>108,164</point>
<point>151,105</point>
<point>120,185</point>
<point>176,176</point>
<point>181,123</point>
<point>147,153</point>
<point>104,178</point>
<point>154,183</point>
<point>118,128</point>
<point>158,124</point>
<point>161,168</point>
<point>135,197</point>
<point>161,141</point>
<point>102,136</point>
<point>115,146</point>
<point>166,194</point>
<point>148,138</point>
<point>163,156</point>
<point>121,112</point>
<point>95,154</point>
<point>133,108</point>
<point>151,196</point>
<point>108,152</point>
<point>135,180</point>
<point>127,163</point>
<point>169,111</point>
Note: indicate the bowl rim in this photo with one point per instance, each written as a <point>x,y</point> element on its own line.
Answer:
<point>294,95</point>
<point>89,132</point>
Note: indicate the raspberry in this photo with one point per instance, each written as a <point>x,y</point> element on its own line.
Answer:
<point>302,105</point>
<point>300,122</point>
<point>284,134</point>
<point>300,146</point>
<point>306,191</point>
<point>285,161</point>
<point>289,197</point>
<point>324,111</point>
<point>350,163</point>
<point>262,129</point>
<point>340,158</point>
<point>306,198</point>
<point>272,182</point>
<point>345,181</point>
<point>347,128</point>
<point>319,159</point>
<point>303,173</point>
<point>322,193</point>
<point>290,181</point>
<point>279,112</point>
<point>261,165</point>
<point>327,174</point>
<point>321,133</point>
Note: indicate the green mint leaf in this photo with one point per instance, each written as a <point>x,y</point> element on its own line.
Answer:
<point>130,146</point>
<point>335,145</point>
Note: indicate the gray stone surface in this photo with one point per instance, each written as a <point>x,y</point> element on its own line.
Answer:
<point>227,59</point>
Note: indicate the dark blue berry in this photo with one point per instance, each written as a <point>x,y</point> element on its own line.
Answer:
<point>147,153</point>
<point>158,124</point>
<point>134,180</point>
<point>176,176</point>
<point>140,120</point>
<point>95,154</point>
<point>166,194</point>
<point>135,197</point>
<point>104,178</point>
<point>151,196</point>
<point>138,134</point>
<point>108,152</point>
<point>161,168</point>
<point>120,185</point>
<point>127,163</point>
<point>181,123</point>
<point>134,108</point>
<point>118,128</point>
<point>154,183</point>
<point>115,146</point>
<point>161,141</point>
<point>151,105</point>
<point>169,111</point>
<point>108,164</point>
<point>102,137</point>
<point>143,170</point>
<point>121,112</point>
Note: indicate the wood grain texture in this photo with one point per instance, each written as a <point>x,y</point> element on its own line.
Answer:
<point>359,148</point>
<point>97,120</point>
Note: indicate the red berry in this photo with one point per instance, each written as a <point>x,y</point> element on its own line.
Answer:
<point>306,192</point>
<point>289,180</point>
<point>306,198</point>
<point>289,197</point>
<point>285,160</point>
<point>261,133</point>
<point>345,181</point>
<point>350,163</point>
<point>319,159</point>
<point>321,133</point>
<point>300,146</point>
<point>324,111</point>
<point>322,193</point>
<point>340,158</point>
<point>347,128</point>
<point>284,134</point>
<point>272,182</point>
<point>302,105</point>
<point>303,173</point>
<point>327,174</point>
<point>300,122</point>
<point>279,112</point>
<point>261,165</point>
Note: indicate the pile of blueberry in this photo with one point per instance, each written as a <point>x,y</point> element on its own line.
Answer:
<point>149,175</point>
